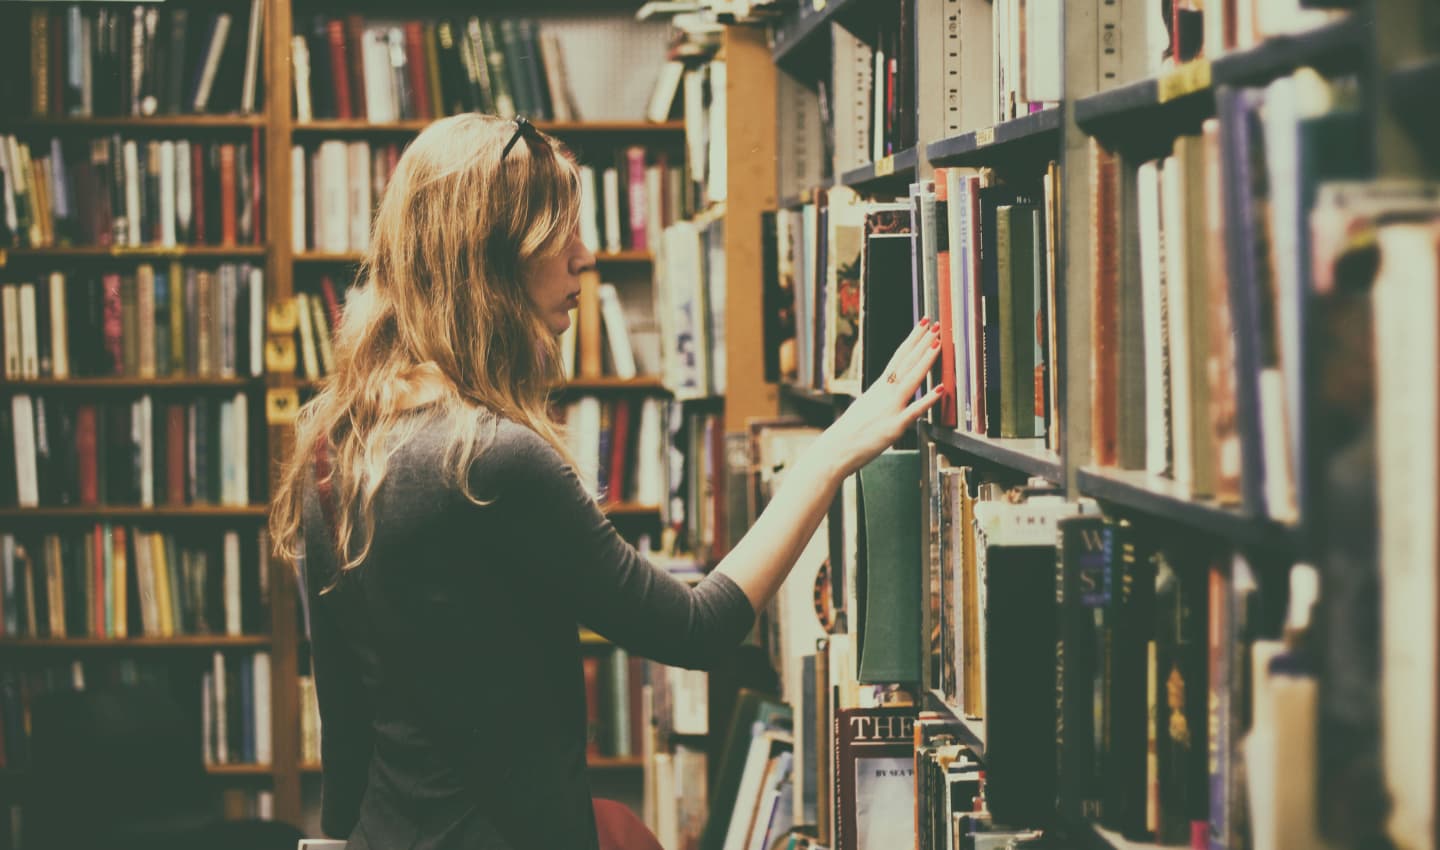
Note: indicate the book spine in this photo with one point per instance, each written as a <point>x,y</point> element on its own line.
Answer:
<point>639,217</point>
<point>229,195</point>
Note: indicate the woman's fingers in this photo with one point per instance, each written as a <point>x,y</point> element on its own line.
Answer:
<point>918,408</point>
<point>919,336</point>
<point>911,379</point>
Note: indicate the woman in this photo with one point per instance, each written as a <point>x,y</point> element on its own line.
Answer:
<point>444,629</point>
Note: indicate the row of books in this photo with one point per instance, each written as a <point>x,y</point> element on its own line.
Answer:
<point>156,320</point>
<point>318,317</point>
<point>697,514</point>
<point>140,451</point>
<point>1200,351</point>
<point>423,69</point>
<point>1175,33</point>
<point>626,206</point>
<point>118,581</point>
<point>22,686</point>
<point>617,445</point>
<point>129,192</point>
<point>141,59</point>
<point>235,709</point>
<point>978,255</point>
<point>613,682</point>
<point>334,189</point>
<point>610,336</point>
<point>690,306</point>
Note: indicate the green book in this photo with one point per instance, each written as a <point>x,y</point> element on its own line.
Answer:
<point>888,580</point>
<point>494,56</point>
<point>1015,258</point>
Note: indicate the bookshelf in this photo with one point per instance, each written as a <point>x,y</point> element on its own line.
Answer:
<point>1377,62</point>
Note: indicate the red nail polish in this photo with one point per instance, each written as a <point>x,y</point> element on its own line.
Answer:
<point>925,321</point>
<point>935,344</point>
<point>935,328</point>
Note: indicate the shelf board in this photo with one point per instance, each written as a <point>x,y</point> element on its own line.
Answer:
<point>808,196</point>
<point>135,513</point>
<point>256,770</point>
<point>630,509</point>
<point>141,252</point>
<point>615,762</point>
<point>1411,91</point>
<point>137,122</point>
<point>131,643</point>
<point>355,257</point>
<point>1336,43</point>
<point>179,382</point>
<point>974,728</point>
<point>1022,455</point>
<point>1101,838</point>
<point>1158,497</point>
<point>898,167</point>
<point>647,383</point>
<point>808,32</point>
<point>985,141</point>
<point>810,396</point>
<point>362,127</point>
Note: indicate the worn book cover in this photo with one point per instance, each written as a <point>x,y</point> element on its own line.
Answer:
<point>874,778</point>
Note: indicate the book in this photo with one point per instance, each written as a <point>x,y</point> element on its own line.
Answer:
<point>874,786</point>
<point>889,570</point>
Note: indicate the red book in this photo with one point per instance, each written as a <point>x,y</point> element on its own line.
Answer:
<point>227,194</point>
<point>946,407</point>
<point>175,454</point>
<point>591,665</point>
<point>339,68</point>
<point>112,323</point>
<point>619,450</point>
<point>197,191</point>
<point>257,187</point>
<point>86,457</point>
<point>415,67</point>
<point>355,32</point>
<point>639,214</point>
<point>332,301</point>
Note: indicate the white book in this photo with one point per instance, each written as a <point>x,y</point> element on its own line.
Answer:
<point>554,63</point>
<point>654,204</point>
<point>968,65</point>
<point>1405,306</point>
<point>260,674</point>
<point>10,312</point>
<point>1044,51</point>
<point>584,425</point>
<point>1152,308</point>
<point>143,424</point>
<point>12,222</point>
<point>567,348</point>
<point>207,717</point>
<point>59,182</point>
<point>617,333</point>
<point>22,420</point>
<point>220,722</point>
<point>167,193</point>
<point>131,153</point>
<point>233,619</point>
<point>1174,224</point>
<point>300,62</point>
<point>697,132</point>
<point>649,455</point>
<point>610,180</point>
<point>59,328</point>
<point>239,456</point>
<point>877,110</point>
<point>332,191</point>
<point>380,103</point>
<point>257,321</point>
<point>298,186</point>
<point>145,306</point>
<point>747,795</point>
<point>589,210</point>
<point>358,177</point>
<point>184,199</point>
<point>213,53</point>
<point>662,97</point>
<point>252,57</point>
<point>715,170</point>
<point>227,451</point>
<point>29,333</point>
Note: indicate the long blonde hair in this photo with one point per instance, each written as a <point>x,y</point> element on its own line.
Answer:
<point>442,283</point>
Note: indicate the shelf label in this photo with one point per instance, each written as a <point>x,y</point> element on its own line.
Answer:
<point>281,318</point>
<point>885,166</point>
<point>985,136</point>
<point>281,406</point>
<point>280,354</point>
<point>1189,78</point>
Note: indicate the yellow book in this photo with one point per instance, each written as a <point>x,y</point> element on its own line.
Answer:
<point>177,319</point>
<point>163,601</point>
<point>117,589</point>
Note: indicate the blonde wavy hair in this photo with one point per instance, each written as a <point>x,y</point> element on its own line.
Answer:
<point>442,283</point>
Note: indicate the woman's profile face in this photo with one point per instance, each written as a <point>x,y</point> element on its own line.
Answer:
<point>553,283</point>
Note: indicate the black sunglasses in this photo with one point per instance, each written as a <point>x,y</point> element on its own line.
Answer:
<point>523,127</point>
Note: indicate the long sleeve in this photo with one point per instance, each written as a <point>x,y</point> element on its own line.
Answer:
<point>347,737</point>
<point>570,547</point>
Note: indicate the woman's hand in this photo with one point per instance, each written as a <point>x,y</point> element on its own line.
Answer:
<point>888,408</point>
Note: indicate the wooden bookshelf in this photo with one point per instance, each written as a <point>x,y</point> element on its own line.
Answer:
<point>175,382</point>
<point>615,762</point>
<point>136,513</point>
<point>1028,456</point>
<point>610,383</point>
<point>1039,130</point>
<point>139,252</point>
<point>355,257</point>
<point>137,643</point>
<point>895,169</point>
<point>134,123</point>
<point>362,127</point>
<point>1159,498</point>
<point>972,729</point>
<point>630,509</point>
<point>255,771</point>
<point>795,392</point>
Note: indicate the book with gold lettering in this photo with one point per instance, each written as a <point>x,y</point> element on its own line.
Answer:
<point>874,778</point>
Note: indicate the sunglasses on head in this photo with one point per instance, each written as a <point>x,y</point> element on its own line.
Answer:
<point>523,127</point>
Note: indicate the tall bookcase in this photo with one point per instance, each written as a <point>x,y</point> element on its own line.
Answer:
<point>1387,48</point>
<point>275,397</point>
